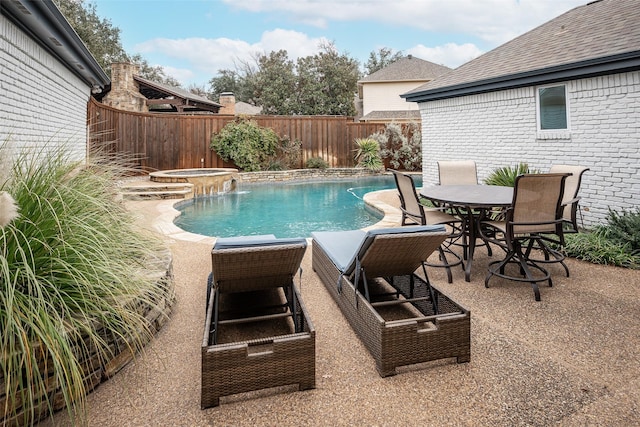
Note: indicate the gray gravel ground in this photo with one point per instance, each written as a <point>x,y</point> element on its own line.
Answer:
<point>572,359</point>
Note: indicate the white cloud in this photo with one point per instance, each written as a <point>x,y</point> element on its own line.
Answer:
<point>295,43</point>
<point>210,55</point>
<point>200,52</point>
<point>473,25</point>
<point>450,54</point>
<point>183,75</point>
<point>494,21</point>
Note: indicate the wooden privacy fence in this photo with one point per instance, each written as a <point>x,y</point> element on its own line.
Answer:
<point>163,141</point>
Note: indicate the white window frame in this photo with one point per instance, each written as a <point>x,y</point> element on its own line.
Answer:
<point>567,110</point>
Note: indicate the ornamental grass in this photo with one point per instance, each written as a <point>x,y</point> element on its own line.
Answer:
<point>71,274</point>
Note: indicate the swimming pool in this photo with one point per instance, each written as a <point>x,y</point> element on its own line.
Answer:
<point>286,209</point>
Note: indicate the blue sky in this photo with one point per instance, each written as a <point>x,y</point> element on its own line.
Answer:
<point>193,39</point>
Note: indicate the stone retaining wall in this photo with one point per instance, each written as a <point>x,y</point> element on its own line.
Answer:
<point>303,174</point>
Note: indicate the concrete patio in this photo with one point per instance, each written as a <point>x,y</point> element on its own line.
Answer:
<point>572,359</point>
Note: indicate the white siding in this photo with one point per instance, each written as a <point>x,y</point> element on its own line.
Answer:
<point>386,96</point>
<point>499,129</point>
<point>42,103</point>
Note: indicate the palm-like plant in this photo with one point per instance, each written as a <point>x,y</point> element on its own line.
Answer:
<point>506,176</point>
<point>71,274</point>
<point>368,154</point>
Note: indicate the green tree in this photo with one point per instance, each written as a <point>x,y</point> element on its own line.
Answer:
<point>197,90</point>
<point>381,59</point>
<point>242,81</point>
<point>153,73</point>
<point>327,83</point>
<point>320,84</point>
<point>103,40</point>
<point>226,81</point>
<point>276,81</point>
<point>98,34</point>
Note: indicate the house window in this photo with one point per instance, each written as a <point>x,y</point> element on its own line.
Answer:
<point>552,108</point>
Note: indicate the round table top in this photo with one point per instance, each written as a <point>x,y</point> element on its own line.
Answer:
<point>479,196</point>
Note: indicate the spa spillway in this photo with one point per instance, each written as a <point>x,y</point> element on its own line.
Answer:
<point>206,181</point>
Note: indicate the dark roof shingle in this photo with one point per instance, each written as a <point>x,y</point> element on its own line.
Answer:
<point>408,68</point>
<point>581,36</point>
<point>391,115</point>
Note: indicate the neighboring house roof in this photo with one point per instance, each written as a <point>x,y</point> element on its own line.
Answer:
<point>48,27</point>
<point>178,98</point>
<point>599,38</point>
<point>408,68</point>
<point>397,77</point>
<point>386,116</point>
<point>247,109</point>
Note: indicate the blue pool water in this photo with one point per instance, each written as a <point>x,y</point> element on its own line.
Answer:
<point>292,209</point>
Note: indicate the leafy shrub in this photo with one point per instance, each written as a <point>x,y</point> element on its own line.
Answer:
<point>288,154</point>
<point>623,229</point>
<point>250,146</point>
<point>506,176</point>
<point>402,150</point>
<point>71,262</point>
<point>368,154</point>
<point>615,243</point>
<point>275,165</point>
<point>594,247</point>
<point>317,163</point>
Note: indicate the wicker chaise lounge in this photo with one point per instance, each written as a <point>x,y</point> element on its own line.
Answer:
<point>400,318</point>
<point>246,270</point>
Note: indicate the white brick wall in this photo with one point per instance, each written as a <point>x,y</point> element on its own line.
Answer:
<point>499,129</point>
<point>43,105</point>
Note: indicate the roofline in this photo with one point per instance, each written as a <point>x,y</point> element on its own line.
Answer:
<point>165,88</point>
<point>426,79</point>
<point>44,22</point>
<point>618,63</point>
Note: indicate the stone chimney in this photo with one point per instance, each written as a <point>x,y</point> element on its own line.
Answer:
<point>228,102</point>
<point>125,92</point>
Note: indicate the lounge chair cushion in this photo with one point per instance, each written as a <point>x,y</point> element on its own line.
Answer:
<point>252,241</point>
<point>340,246</point>
<point>345,247</point>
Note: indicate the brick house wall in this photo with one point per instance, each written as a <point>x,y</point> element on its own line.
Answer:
<point>42,103</point>
<point>499,129</point>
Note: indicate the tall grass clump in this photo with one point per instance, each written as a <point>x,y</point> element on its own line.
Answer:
<point>71,274</point>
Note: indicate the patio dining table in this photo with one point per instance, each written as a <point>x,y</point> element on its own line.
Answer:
<point>472,202</point>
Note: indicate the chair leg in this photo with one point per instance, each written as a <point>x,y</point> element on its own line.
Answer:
<point>216,304</point>
<point>293,304</point>
<point>443,258</point>
<point>442,254</point>
<point>556,255</point>
<point>524,267</point>
<point>516,256</point>
<point>432,295</point>
<point>489,251</point>
<point>550,255</point>
<point>209,289</point>
<point>498,269</point>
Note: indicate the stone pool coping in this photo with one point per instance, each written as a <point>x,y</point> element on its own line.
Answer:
<point>165,213</point>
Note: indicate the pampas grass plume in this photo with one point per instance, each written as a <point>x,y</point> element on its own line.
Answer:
<point>8,209</point>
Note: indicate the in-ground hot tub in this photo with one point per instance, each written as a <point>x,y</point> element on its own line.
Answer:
<point>206,181</point>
